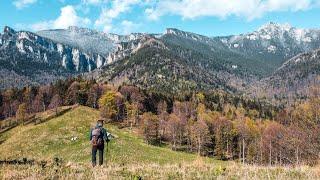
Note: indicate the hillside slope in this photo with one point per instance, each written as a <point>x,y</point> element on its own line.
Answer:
<point>128,156</point>
<point>31,59</point>
<point>88,40</point>
<point>53,139</point>
<point>295,78</point>
<point>181,61</point>
<point>174,60</point>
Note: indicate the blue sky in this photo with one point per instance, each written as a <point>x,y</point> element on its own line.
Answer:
<point>208,17</point>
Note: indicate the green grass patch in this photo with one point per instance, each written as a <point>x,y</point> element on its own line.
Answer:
<point>53,139</point>
<point>128,156</point>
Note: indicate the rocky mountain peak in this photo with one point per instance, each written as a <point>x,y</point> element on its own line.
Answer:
<point>77,29</point>
<point>8,30</point>
<point>187,35</point>
<point>275,27</point>
<point>281,31</point>
<point>179,32</point>
<point>173,31</point>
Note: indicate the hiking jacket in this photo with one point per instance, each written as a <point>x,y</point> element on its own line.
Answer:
<point>104,133</point>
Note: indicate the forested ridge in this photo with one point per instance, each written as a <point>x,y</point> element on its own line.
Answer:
<point>211,123</point>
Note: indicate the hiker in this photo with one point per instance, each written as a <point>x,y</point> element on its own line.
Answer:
<point>98,135</point>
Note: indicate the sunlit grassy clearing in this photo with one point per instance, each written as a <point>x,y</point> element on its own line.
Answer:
<point>53,139</point>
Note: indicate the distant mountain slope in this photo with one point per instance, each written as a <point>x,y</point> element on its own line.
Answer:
<point>85,39</point>
<point>294,78</point>
<point>111,46</point>
<point>175,60</point>
<point>181,61</point>
<point>274,43</point>
<point>33,59</point>
<point>215,52</point>
<point>88,40</point>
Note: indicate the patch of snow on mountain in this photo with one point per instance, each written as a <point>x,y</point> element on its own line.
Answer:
<point>60,48</point>
<point>132,37</point>
<point>87,56</point>
<point>76,58</point>
<point>272,27</point>
<point>297,60</point>
<point>299,34</point>
<point>110,59</point>
<point>252,37</point>
<point>23,35</point>
<point>170,31</point>
<point>38,54</point>
<point>20,46</point>
<point>225,41</point>
<point>89,65</point>
<point>99,61</point>
<point>266,36</point>
<point>307,39</point>
<point>272,49</point>
<point>45,57</point>
<point>30,49</point>
<point>236,45</point>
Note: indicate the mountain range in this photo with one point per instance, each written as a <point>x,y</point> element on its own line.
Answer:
<point>297,77</point>
<point>274,58</point>
<point>274,43</point>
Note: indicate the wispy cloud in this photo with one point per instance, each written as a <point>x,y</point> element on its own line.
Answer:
<point>128,27</point>
<point>23,3</point>
<point>114,15</point>
<point>249,9</point>
<point>93,2</point>
<point>68,17</point>
<point>107,15</point>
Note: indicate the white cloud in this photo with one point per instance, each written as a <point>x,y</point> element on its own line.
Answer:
<point>23,3</point>
<point>107,28</point>
<point>128,27</point>
<point>41,25</point>
<point>68,17</point>
<point>117,7</point>
<point>250,9</point>
<point>93,2</point>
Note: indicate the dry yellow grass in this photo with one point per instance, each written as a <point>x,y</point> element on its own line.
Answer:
<point>128,157</point>
<point>194,170</point>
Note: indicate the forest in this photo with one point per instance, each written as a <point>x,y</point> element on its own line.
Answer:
<point>212,123</point>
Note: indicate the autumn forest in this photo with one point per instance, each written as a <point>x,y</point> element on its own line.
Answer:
<point>215,123</point>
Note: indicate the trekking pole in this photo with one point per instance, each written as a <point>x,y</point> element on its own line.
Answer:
<point>107,149</point>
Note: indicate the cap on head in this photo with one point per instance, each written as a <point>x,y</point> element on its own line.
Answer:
<point>99,123</point>
<point>100,120</point>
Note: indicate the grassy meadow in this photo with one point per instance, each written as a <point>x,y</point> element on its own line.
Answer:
<point>58,156</point>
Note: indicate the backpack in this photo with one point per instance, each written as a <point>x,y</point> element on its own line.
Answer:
<point>97,137</point>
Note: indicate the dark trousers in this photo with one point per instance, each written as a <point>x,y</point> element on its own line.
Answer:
<point>94,155</point>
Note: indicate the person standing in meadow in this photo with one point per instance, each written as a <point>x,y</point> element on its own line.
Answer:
<point>98,137</point>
